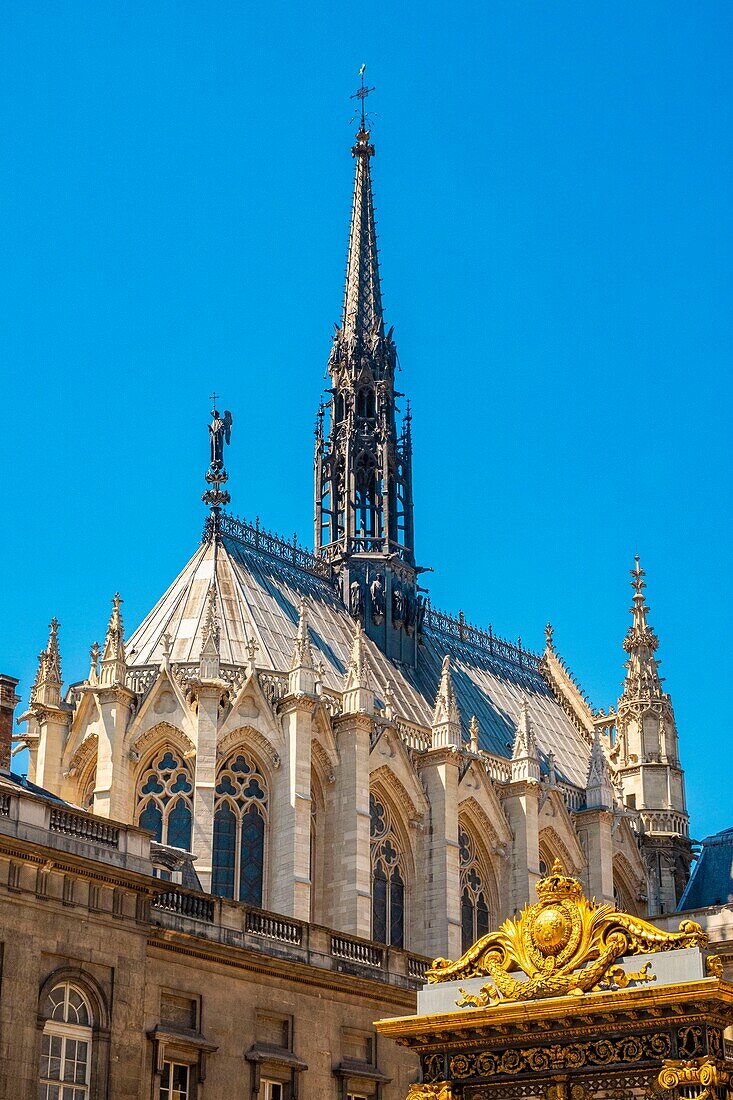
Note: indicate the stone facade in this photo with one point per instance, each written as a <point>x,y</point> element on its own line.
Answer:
<point>234,992</point>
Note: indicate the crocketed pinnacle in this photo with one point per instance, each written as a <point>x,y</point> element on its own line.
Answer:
<point>599,789</point>
<point>209,658</point>
<point>641,643</point>
<point>446,726</point>
<point>113,655</point>
<point>302,656</point>
<point>47,685</point>
<point>362,315</point>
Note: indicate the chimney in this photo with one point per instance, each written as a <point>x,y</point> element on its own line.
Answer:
<point>8,700</point>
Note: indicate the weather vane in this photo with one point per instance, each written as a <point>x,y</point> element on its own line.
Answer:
<point>220,433</point>
<point>361,94</point>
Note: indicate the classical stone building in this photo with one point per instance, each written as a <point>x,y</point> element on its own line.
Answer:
<point>328,746</point>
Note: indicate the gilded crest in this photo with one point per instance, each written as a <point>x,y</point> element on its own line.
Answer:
<point>564,944</point>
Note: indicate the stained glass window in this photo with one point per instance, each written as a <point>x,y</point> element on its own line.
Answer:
<point>165,799</point>
<point>66,1045</point>
<point>475,913</point>
<point>388,883</point>
<point>239,831</point>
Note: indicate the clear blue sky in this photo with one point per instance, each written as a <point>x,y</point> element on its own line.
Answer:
<point>553,192</point>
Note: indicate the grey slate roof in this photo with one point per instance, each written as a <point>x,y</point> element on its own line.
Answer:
<point>258,598</point>
<point>711,882</point>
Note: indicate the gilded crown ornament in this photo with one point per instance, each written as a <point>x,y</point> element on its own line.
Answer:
<point>563,944</point>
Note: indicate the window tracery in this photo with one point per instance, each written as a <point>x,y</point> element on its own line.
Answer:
<point>240,817</point>
<point>388,877</point>
<point>66,1045</point>
<point>475,915</point>
<point>164,797</point>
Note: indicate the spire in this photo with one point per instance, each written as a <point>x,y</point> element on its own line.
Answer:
<point>358,696</point>
<point>362,313</point>
<point>209,657</point>
<point>363,519</point>
<point>525,754</point>
<point>642,668</point>
<point>599,790</point>
<point>302,676</point>
<point>47,685</point>
<point>114,668</point>
<point>446,726</point>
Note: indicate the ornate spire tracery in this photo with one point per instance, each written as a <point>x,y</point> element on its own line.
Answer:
<point>47,685</point>
<point>114,668</point>
<point>363,461</point>
<point>641,643</point>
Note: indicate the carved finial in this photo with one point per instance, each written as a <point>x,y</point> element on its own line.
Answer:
<point>47,686</point>
<point>388,701</point>
<point>114,668</point>
<point>549,636</point>
<point>209,657</point>
<point>599,788</point>
<point>94,662</point>
<point>551,770</point>
<point>220,433</point>
<point>557,867</point>
<point>525,754</point>
<point>166,647</point>
<point>473,732</point>
<point>358,694</point>
<point>252,649</point>
<point>446,725</point>
<point>302,653</point>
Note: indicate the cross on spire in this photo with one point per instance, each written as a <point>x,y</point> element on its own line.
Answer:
<point>361,94</point>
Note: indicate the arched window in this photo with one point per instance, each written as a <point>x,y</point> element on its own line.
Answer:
<point>388,878</point>
<point>475,915</point>
<point>164,799</point>
<point>239,831</point>
<point>66,1045</point>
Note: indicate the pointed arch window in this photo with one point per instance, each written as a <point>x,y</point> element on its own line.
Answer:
<point>165,799</point>
<point>240,818</point>
<point>388,878</point>
<point>475,915</point>
<point>66,1045</point>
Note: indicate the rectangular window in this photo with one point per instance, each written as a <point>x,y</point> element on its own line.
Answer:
<point>356,1096</point>
<point>174,1082</point>
<point>64,1066</point>
<point>272,1090</point>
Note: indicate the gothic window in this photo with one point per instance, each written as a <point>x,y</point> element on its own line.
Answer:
<point>388,878</point>
<point>239,831</point>
<point>87,793</point>
<point>164,799</point>
<point>475,916</point>
<point>66,1045</point>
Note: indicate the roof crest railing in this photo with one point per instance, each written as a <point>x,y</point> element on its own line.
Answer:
<point>266,542</point>
<point>457,628</point>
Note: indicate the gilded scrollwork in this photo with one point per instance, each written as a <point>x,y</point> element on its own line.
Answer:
<point>564,944</point>
<point>628,1050</point>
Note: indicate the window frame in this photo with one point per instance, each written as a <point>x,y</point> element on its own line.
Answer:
<point>190,1080</point>
<point>167,800</point>
<point>240,807</point>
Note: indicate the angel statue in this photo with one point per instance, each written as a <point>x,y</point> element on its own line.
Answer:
<point>220,432</point>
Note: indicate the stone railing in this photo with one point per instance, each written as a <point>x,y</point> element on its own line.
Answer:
<point>414,737</point>
<point>574,796</point>
<point>84,827</point>
<point>499,769</point>
<point>243,927</point>
<point>665,821</point>
<point>186,904</point>
<point>273,927</point>
<point>358,951</point>
<point>417,966</point>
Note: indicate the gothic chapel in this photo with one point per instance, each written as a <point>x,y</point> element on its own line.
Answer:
<point>330,747</point>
